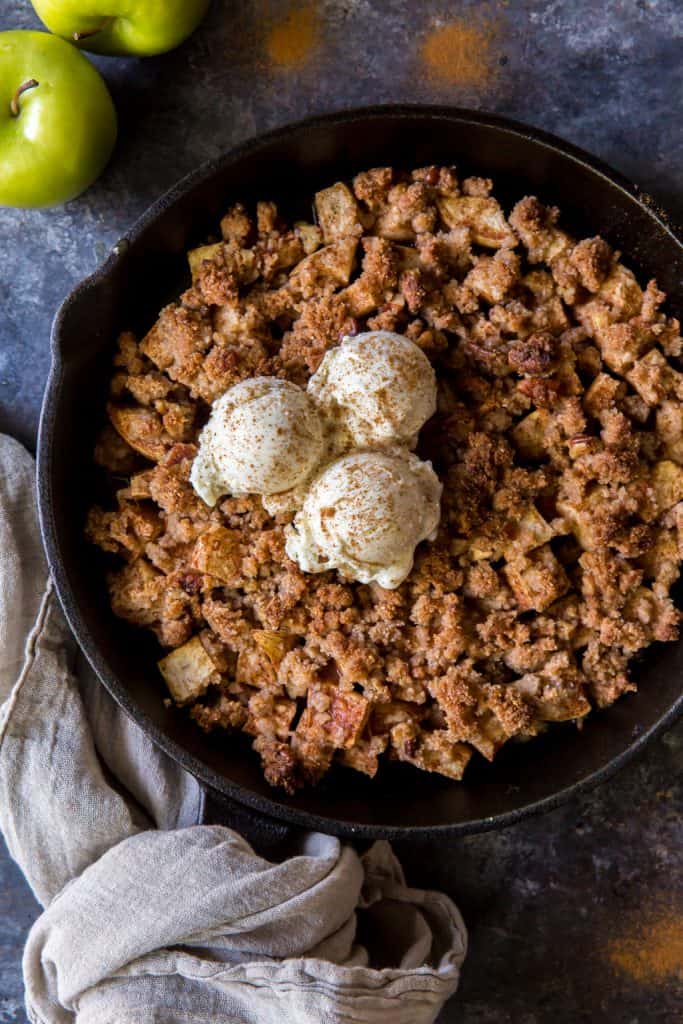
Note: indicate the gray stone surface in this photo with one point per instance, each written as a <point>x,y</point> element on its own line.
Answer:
<point>543,898</point>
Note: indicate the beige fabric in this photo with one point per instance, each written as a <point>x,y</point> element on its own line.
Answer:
<point>148,921</point>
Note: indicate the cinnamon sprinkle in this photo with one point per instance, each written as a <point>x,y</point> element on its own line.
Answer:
<point>290,43</point>
<point>463,52</point>
<point>652,952</point>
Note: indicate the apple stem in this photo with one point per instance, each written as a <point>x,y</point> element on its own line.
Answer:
<point>77,36</point>
<point>14,102</point>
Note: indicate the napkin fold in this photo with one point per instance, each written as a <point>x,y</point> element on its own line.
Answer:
<point>149,916</point>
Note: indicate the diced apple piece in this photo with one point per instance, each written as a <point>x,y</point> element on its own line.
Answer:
<point>667,482</point>
<point>554,700</point>
<point>275,643</point>
<point>254,668</point>
<point>541,284</point>
<point>602,394</point>
<point>536,579</point>
<point>188,671</point>
<point>530,433</point>
<point>337,212</point>
<point>288,253</point>
<point>532,531</point>
<point>361,297</point>
<point>364,755</point>
<point>559,242</point>
<point>482,547</point>
<point>670,428</point>
<point>492,277</point>
<point>483,216</point>
<point>395,220</point>
<point>217,553</point>
<point>547,245</point>
<point>435,751</point>
<point>622,345</point>
<point>662,559</point>
<point>408,257</point>
<point>581,518</point>
<point>670,421</point>
<point>652,377</point>
<point>622,292</point>
<point>203,254</point>
<point>332,264</point>
<point>141,428</point>
<point>310,235</point>
<point>138,488</point>
<point>595,319</point>
<point>348,714</point>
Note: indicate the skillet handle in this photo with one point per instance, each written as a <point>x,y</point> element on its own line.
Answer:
<point>271,839</point>
<point>274,840</point>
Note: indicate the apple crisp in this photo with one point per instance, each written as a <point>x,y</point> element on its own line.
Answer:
<point>558,439</point>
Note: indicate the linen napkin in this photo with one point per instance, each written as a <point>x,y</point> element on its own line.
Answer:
<point>149,917</point>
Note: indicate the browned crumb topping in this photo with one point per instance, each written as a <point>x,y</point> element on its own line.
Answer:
<point>558,439</point>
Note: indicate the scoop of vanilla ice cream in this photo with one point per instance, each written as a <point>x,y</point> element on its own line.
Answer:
<point>377,388</point>
<point>264,436</point>
<point>365,514</point>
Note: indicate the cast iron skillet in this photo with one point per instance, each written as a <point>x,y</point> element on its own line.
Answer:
<point>148,268</point>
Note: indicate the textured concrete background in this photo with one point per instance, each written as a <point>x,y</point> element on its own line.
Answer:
<point>556,905</point>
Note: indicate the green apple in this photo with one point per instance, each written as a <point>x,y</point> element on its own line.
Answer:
<point>140,28</point>
<point>57,120</point>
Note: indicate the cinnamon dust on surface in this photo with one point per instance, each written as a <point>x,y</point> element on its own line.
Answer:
<point>290,43</point>
<point>463,51</point>
<point>650,952</point>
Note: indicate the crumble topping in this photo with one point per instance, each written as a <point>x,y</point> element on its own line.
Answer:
<point>558,439</point>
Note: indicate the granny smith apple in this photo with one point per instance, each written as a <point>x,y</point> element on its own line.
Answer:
<point>140,28</point>
<point>57,120</point>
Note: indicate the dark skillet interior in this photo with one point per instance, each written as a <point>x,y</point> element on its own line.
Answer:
<point>150,269</point>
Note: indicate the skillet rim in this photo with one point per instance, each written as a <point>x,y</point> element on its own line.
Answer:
<point>272,807</point>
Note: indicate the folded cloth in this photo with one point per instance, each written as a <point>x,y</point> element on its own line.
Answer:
<point>148,916</point>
